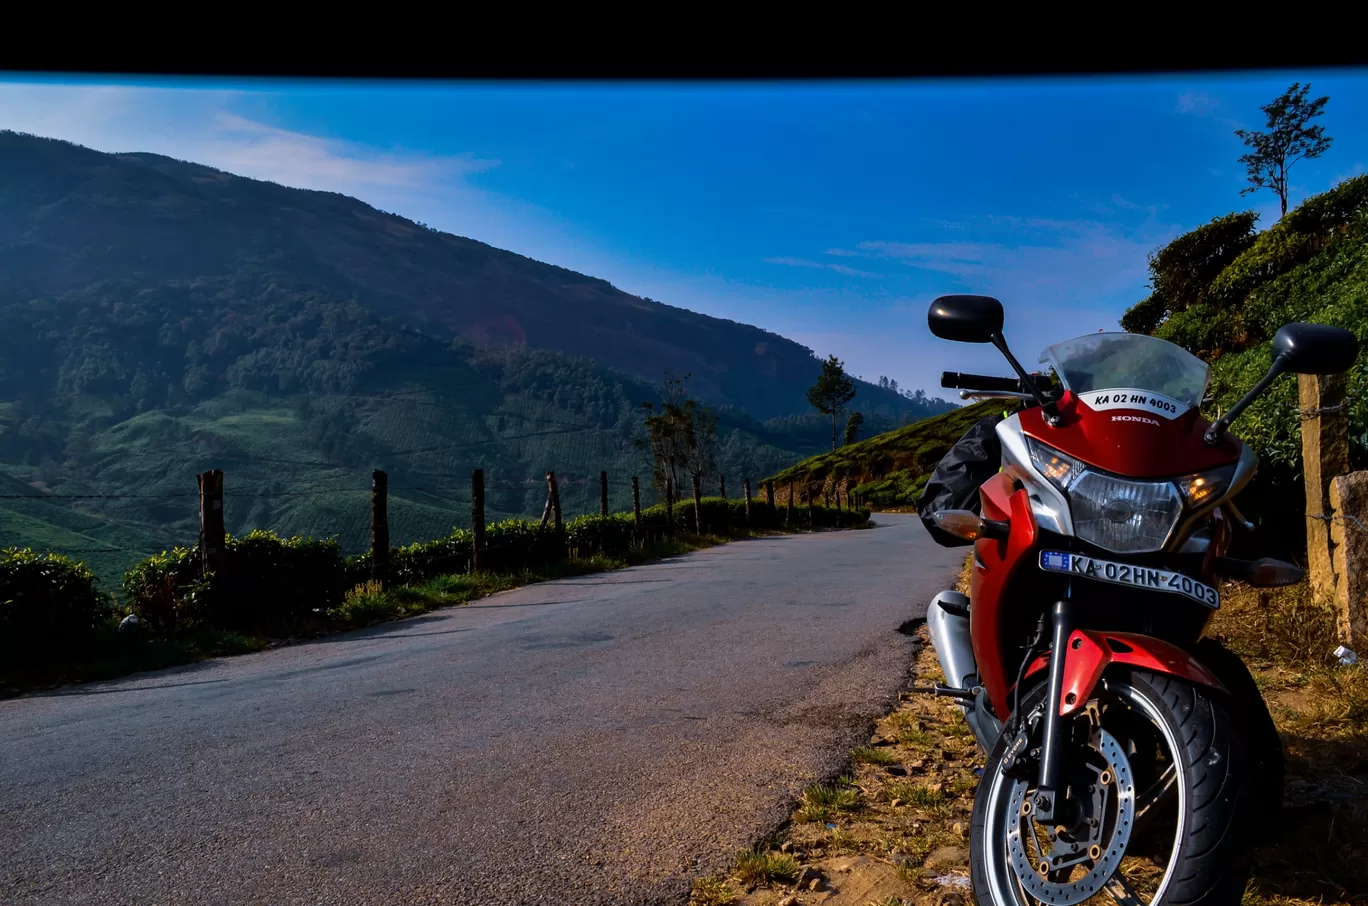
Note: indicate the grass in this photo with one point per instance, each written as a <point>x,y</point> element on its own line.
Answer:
<point>873,755</point>
<point>1321,711</point>
<point>822,801</point>
<point>761,866</point>
<point>713,891</point>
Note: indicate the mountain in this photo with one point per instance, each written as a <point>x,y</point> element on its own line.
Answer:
<point>159,318</point>
<point>71,217</point>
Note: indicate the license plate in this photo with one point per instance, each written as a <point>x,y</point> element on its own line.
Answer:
<point>1129,574</point>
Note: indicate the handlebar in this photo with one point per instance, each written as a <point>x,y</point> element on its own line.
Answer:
<point>954,380</point>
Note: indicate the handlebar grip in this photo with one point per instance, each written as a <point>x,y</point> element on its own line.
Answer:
<point>954,380</point>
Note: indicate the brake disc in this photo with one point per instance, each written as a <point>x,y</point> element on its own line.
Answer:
<point>1108,852</point>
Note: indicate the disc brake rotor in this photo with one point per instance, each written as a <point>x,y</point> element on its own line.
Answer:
<point>1098,857</point>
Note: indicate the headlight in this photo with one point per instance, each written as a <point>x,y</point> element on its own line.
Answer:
<point>1125,517</point>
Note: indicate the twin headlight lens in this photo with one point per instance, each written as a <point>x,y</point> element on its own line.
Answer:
<point>1125,516</point>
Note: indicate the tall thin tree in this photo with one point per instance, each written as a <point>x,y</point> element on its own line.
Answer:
<point>1290,138</point>
<point>832,391</point>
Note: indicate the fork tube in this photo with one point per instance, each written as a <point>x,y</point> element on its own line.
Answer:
<point>1052,750</point>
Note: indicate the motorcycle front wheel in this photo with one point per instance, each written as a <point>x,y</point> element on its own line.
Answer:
<point>1163,813</point>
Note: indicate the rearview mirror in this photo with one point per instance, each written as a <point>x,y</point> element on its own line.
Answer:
<point>1300,348</point>
<point>1315,348</point>
<point>966,319</point>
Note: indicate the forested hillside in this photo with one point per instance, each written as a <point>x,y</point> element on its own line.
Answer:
<point>158,319</point>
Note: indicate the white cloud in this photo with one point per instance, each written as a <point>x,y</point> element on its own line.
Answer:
<point>1197,102</point>
<point>838,268</point>
<point>1202,104</point>
<point>261,151</point>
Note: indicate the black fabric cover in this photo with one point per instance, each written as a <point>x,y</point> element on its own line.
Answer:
<point>975,458</point>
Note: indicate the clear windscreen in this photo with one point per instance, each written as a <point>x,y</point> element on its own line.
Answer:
<point>1108,361</point>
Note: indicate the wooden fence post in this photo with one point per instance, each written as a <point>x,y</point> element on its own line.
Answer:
<point>546,510</point>
<point>555,502</point>
<point>636,505</point>
<point>212,535</point>
<point>1349,534</point>
<point>669,505</point>
<point>698,503</point>
<point>477,521</point>
<point>788,511</point>
<point>745,484</point>
<point>722,486</point>
<point>603,493</point>
<point>379,535</point>
<point>769,492</point>
<point>1325,454</point>
<point>812,516</point>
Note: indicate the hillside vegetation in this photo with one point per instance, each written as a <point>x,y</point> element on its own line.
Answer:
<point>890,469</point>
<point>1223,290</point>
<point>160,318</point>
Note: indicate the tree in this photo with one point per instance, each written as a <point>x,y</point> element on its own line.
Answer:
<point>833,390</point>
<point>852,428</point>
<point>1289,138</point>
<point>681,437</point>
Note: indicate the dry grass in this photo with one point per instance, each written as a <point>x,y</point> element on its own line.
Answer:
<point>1321,710</point>
<point>713,892</point>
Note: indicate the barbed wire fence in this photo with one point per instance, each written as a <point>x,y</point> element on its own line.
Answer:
<point>613,493</point>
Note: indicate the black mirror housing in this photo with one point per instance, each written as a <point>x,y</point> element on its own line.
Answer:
<point>966,319</point>
<point>1315,348</point>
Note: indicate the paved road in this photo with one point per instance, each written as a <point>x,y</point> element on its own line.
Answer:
<point>601,739</point>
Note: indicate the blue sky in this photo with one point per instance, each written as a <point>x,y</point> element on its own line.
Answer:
<point>832,214</point>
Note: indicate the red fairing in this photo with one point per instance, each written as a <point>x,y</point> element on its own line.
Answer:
<point>1090,653</point>
<point>1135,442</point>
<point>996,563</point>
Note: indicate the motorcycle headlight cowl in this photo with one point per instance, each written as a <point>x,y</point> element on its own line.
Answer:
<point>1125,517</point>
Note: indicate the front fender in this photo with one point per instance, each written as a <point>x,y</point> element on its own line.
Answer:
<point>1090,653</point>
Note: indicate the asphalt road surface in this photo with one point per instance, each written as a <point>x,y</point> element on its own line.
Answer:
<point>602,739</point>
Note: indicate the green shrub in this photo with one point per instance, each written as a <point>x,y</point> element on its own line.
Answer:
<point>154,590</point>
<point>610,535</point>
<point>48,604</point>
<point>267,583</point>
<point>365,604</point>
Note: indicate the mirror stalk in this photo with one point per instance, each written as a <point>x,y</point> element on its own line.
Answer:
<point>1213,435</point>
<point>1051,416</point>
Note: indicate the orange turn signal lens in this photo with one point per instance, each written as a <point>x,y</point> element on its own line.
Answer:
<point>960,523</point>
<point>969,526</point>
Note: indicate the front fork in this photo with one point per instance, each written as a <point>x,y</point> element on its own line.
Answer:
<point>1048,801</point>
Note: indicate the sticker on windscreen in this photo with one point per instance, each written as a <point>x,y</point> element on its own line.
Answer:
<point>1125,398</point>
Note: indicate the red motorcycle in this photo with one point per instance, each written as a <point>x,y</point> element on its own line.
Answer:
<point>1126,754</point>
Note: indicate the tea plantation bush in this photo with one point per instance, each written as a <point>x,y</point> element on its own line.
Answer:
<point>267,583</point>
<point>48,606</point>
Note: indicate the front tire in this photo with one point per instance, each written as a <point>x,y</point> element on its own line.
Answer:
<point>1156,732</point>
